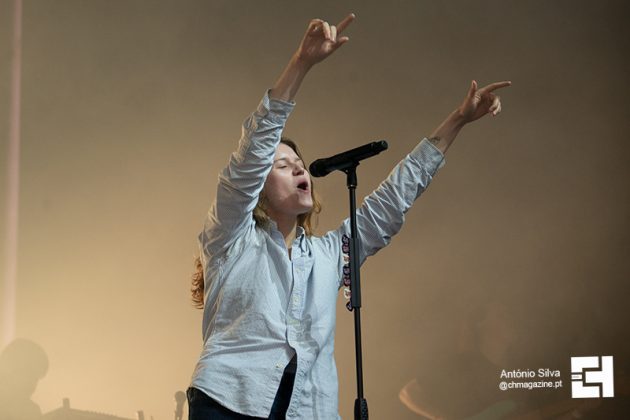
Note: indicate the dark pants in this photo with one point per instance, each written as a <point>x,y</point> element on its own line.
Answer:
<point>202,407</point>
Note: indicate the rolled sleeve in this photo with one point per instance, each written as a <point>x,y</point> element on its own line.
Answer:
<point>429,156</point>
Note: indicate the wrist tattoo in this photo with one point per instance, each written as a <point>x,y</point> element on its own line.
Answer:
<point>434,140</point>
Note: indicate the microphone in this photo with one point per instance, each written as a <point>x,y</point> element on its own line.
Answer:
<point>345,160</point>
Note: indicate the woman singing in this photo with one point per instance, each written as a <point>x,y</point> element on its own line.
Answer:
<point>267,285</point>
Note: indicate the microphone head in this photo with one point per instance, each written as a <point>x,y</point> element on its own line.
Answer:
<point>345,160</point>
<point>318,168</point>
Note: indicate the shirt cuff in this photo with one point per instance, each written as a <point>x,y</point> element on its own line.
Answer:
<point>275,109</point>
<point>429,156</point>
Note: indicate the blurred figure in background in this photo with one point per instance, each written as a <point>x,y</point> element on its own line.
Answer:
<point>22,364</point>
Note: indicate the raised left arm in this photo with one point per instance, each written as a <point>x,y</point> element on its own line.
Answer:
<point>476,104</point>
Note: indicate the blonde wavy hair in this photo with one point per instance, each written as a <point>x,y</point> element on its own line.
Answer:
<point>307,221</point>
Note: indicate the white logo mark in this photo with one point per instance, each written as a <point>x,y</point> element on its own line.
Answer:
<point>592,377</point>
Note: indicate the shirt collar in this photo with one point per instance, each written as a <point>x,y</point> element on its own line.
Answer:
<point>300,233</point>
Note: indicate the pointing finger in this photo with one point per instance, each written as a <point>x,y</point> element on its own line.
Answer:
<point>495,86</point>
<point>345,22</point>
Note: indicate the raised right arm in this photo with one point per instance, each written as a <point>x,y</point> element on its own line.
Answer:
<point>241,182</point>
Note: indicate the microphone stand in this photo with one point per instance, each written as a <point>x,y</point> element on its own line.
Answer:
<point>360,404</point>
<point>348,162</point>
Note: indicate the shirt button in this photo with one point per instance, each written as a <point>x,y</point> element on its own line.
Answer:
<point>296,299</point>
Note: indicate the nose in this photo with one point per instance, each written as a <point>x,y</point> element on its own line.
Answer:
<point>298,170</point>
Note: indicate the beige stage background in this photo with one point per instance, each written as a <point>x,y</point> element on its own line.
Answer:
<point>517,256</point>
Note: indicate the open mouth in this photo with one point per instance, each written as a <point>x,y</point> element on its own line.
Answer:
<point>303,186</point>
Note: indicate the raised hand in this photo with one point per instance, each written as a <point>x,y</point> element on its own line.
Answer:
<point>476,104</point>
<point>322,39</point>
<point>479,102</point>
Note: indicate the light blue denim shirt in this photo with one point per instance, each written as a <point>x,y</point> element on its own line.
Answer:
<point>262,307</point>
